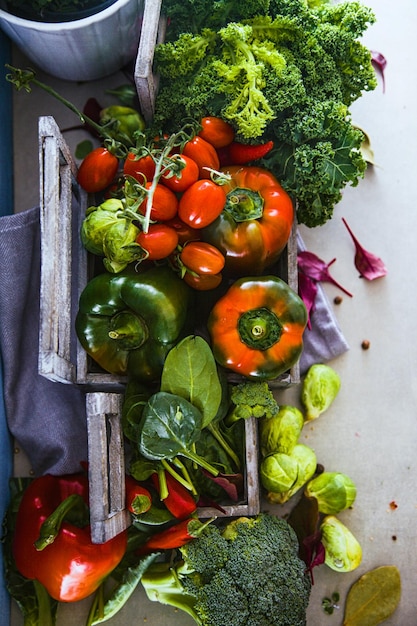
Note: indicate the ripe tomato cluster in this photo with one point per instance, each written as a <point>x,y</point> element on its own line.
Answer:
<point>175,190</point>
<point>179,199</point>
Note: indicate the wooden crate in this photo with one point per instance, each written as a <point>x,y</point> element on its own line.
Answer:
<point>64,274</point>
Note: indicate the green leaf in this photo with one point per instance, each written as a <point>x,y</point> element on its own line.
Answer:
<point>170,426</point>
<point>374,597</point>
<point>190,371</point>
<point>123,591</point>
<point>83,148</point>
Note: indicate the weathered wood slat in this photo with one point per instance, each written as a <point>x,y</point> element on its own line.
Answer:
<point>106,466</point>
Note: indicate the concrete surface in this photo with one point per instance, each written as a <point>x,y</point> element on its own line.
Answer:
<point>370,432</point>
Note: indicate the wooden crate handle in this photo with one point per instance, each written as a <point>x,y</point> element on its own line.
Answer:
<point>106,467</point>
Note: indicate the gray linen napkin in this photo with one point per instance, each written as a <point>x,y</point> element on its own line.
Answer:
<point>47,419</point>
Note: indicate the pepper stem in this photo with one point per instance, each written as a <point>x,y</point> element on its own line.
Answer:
<point>244,204</point>
<point>52,525</point>
<point>129,330</point>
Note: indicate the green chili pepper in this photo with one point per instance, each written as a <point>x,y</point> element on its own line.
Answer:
<point>128,322</point>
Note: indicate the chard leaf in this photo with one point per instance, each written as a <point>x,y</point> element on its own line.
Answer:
<point>374,597</point>
<point>122,592</point>
<point>190,371</point>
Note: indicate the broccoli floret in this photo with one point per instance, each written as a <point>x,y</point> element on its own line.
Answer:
<point>247,574</point>
<point>251,399</point>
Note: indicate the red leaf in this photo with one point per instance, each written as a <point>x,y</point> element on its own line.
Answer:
<point>307,290</point>
<point>318,270</point>
<point>230,483</point>
<point>368,265</point>
<point>380,63</point>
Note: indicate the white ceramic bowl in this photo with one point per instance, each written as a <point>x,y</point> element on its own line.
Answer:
<point>81,50</point>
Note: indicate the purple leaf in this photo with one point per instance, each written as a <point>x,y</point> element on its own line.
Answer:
<point>368,265</point>
<point>380,63</point>
<point>307,290</point>
<point>318,270</point>
<point>230,483</point>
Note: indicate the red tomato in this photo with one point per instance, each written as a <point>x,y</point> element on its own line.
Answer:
<point>201,203</point>
<point>164,204</point>
<point>204,154</point>
<point>184,231</point>
<point>160,241</point>
<point>205,282</point>
<point>202,258</point>
<point>141,168</point>
<point>97,170</point>
<point>216,131</point>
<point>186,177</point>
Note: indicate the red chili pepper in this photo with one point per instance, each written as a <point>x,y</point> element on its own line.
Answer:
<point>179,500</point>
<point>238,153</point>
<point>65,560</point>
<point>138,498</point>
<point>173,537</point>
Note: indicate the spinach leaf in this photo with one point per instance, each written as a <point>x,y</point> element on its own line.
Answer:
<point>190,371</point>
<point>170,426</point>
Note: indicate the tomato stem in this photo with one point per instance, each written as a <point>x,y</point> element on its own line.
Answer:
<point>22,80</point>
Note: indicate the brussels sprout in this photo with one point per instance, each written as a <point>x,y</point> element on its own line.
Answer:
<point>280,433</point>
<point>320,387</point>
<point>278,472</point>
<point>333,491</point>
<point>97,222</point>
<point>302,458</point>
<point>120,247</point>
<point>343,552</point>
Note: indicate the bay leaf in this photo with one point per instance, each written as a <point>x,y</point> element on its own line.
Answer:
<point>374,597</point>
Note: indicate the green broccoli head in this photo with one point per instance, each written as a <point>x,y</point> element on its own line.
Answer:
<point>249,573</point>
<point>251,399</point>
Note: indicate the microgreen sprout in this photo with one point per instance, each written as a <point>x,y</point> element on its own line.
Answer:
<point>330,604</point>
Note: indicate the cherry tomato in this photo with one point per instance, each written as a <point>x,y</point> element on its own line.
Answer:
<point>216,131</point>
<point>184,231</point>
<point>204,154</point>
<point>141,169</point>
<point>205,282</point>
<point>164,204</point>
<point>201,203</point>
<point>187,176</point>
<point>202,258</point>
<point>97,170</point>
<point>160,241</point>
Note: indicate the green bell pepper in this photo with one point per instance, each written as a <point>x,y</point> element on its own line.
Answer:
<point>128,322</point>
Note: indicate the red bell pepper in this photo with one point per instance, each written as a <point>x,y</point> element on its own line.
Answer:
<point>56,552</point>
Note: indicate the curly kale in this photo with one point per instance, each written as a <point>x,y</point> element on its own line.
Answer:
<point>248,574</point>
<point>193,15</point>
<point>286,71</point>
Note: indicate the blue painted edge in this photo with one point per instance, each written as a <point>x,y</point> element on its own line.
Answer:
<point>6,207</point>
<point>6,129</point>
